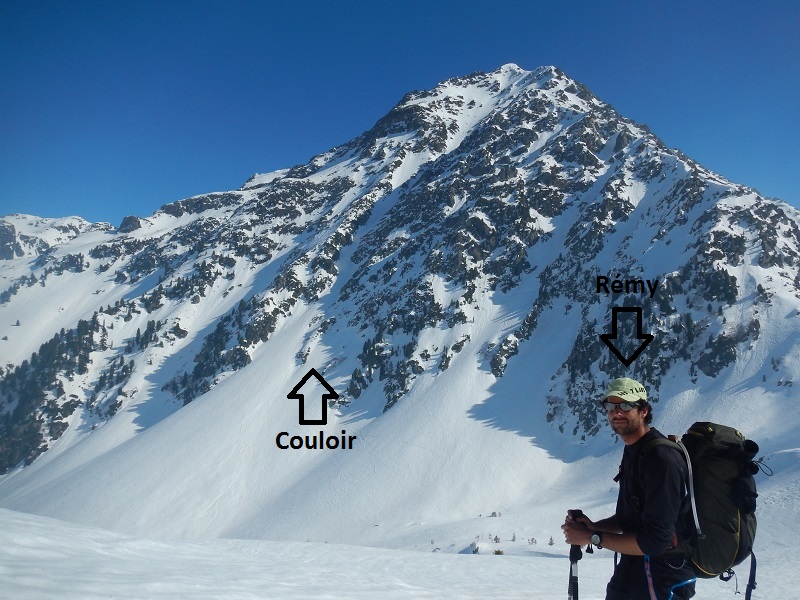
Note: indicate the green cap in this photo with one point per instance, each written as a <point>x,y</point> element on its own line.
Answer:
<point>627,390</point>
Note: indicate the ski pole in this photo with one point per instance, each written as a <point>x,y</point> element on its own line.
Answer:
<point>575,555</point>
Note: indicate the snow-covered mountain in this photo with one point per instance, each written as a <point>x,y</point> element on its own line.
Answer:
<point>449,272</point>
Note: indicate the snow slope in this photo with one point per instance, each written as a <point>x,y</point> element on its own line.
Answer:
<point>41,558</point>
<point>439,271</point>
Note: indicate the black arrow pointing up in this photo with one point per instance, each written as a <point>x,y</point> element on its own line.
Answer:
<point>329,395</point>
<point>610,338</point>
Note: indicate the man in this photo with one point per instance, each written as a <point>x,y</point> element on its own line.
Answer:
<point>652,506</point>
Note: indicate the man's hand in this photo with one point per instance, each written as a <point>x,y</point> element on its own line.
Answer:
<point>578,528</point>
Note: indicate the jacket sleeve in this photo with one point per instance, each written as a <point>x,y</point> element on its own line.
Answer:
<point>663,475</point>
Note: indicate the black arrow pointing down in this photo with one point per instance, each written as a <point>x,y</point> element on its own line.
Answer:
<point>610,338</point>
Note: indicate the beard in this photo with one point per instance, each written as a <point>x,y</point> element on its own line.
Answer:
<point>626,426</point>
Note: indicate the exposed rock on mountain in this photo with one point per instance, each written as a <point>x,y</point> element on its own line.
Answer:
<point>465,218</point>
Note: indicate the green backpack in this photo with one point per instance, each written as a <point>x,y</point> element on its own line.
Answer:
<point>723,495</point>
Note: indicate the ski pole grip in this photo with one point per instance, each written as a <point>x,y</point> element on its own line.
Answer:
<point>575,553</point>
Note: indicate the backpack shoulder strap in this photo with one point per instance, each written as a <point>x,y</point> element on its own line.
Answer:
<point>673,442</point>
<point>670,442</point>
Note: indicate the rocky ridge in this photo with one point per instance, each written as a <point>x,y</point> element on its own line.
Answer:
<point>502,192</point>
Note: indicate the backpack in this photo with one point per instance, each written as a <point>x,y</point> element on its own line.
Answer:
<point>723,495</point>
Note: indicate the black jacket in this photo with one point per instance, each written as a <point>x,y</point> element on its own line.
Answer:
<point>653,502</point>
<point>653,492</point>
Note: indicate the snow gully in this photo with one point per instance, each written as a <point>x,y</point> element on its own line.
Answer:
<point>315,442</point>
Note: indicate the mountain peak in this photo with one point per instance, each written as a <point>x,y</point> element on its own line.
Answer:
<point>444,267</point>
<point>512,67</point>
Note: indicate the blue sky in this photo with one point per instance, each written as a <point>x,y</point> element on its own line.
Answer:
<point>113,108</point>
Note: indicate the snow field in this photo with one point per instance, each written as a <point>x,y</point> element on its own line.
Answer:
<point>41,558</point>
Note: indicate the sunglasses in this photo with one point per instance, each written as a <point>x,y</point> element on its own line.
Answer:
<point>623,406</point>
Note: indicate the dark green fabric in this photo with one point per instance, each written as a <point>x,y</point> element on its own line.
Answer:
<point>724,490</point>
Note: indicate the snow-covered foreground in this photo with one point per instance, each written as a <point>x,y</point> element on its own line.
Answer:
<point>43,558</point>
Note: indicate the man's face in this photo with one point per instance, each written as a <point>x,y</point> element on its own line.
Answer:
<point>625,422</point>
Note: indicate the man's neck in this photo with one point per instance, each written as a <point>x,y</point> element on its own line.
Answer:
<point>635,436</point>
